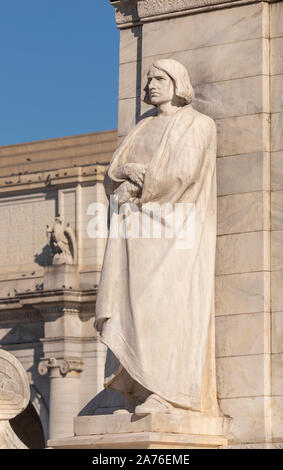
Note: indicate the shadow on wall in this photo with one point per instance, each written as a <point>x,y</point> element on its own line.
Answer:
<point>44,258</point>
<point>148,113</point>
<point>25,334</point>
<point>28,428</point>
<point>105,403</point>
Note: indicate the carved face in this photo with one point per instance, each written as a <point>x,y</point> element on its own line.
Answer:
<point>160,86</point>
<point>57,227</point>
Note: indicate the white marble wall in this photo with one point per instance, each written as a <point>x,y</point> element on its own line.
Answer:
<point>92,249</point>
<point>23,235</point>
<point>276,70</point>
<point>22,239</point>
<point>230,58</point>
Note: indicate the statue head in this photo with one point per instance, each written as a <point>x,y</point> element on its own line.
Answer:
<point>168,80</point>
<point>58,220</point>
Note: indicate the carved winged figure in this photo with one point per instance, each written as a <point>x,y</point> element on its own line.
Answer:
<point>62,242</point>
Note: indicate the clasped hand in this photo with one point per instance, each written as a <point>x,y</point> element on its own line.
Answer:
<point>129,190</point>
<point>135,172</point>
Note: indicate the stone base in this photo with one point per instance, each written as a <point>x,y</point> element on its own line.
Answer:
<point>156,431</point>
<point>61,276</point>
<point>258,445</point>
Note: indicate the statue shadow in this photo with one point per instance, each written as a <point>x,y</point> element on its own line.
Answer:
<point>44,258</point>
<point>150,112</point>
<point>105,403</point>
<point>108,400</point>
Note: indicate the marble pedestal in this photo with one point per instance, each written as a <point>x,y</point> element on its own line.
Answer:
<point>61,276</point>
<point>157,431</point>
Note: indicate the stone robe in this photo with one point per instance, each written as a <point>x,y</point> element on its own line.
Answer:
<point>157,300</point>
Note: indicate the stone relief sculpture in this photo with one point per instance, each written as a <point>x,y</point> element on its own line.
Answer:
<point>62,242</point>
<point>14,398</point>
<point>155,304</point>
<point>128,11</point>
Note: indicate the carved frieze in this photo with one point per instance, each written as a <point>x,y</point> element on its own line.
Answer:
<point>59,309</point>
<point>157,7</point>
<point>126,11</point>
<point>19,316</point>
<point>133,11</point>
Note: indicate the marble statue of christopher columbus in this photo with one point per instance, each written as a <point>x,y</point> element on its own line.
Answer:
<point>155,304</point>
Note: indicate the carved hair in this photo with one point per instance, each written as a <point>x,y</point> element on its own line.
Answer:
<point>180,77</point>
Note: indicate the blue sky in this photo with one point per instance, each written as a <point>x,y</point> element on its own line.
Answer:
<point>59,68</point>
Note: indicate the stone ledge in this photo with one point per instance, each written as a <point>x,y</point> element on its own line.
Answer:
<point>157,431</point>
<point>181,423</point>
<point>145,440</point>
<point>260,445</point>
<point>47,301</point>
<point>53,178</point>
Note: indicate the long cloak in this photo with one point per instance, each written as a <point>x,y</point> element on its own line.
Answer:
<point>157,300</point>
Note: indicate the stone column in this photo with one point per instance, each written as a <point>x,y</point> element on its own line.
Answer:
<point>64,394</point>
<point>62,360</point>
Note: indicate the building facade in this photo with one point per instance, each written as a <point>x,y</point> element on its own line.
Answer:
<point>49,328</point>
<point>233,52</point>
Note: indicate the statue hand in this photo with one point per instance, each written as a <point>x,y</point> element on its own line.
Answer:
<point>126,191</point>
<point>98,324</point>
<point>135,172</point>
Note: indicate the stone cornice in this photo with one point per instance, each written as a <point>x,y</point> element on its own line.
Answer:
<point>54,178</point>
<point>132,12</point>
<point>16,316</point>
<point>47,301</point>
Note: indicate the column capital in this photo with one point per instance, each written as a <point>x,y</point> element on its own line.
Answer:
<point>63,366</point>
